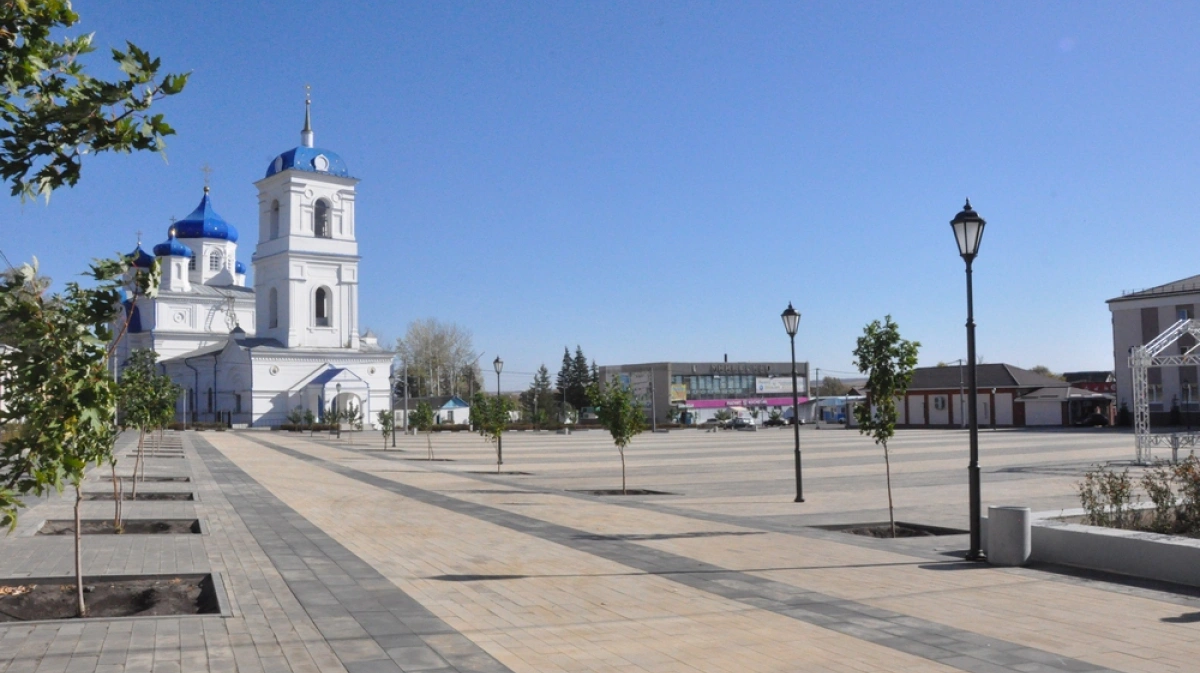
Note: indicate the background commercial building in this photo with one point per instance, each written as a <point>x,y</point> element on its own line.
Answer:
<point>701,389</point>
<point>1137,318</point>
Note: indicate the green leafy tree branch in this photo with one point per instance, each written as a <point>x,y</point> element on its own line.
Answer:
<point>52,112</point>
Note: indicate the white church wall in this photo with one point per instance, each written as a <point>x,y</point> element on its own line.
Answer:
<point>234,377</point>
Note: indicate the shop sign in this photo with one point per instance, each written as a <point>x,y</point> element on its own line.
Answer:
<point>776,385</point>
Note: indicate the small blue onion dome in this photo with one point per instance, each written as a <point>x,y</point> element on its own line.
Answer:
<point>204,222</point>
<point>141,258</point>
<point>172,247</point>
<point>240,268</point>
<point>310,159</point>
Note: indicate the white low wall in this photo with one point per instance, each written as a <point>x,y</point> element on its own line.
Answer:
<point>1146,555</point>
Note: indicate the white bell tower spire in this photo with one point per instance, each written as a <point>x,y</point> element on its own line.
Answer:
<point>306,134</point>
<point>306,262</point>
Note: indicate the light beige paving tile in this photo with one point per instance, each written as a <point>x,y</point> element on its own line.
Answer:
<point>624,617</point>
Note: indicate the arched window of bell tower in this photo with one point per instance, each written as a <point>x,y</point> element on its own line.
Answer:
<point>321,227</point>
<point>323,306</point>
<point>273,308</point>
<point>274,220</point>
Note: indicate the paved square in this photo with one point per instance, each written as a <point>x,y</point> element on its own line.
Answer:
<point>339,556</point>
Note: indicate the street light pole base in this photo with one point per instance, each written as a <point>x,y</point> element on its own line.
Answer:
<point>798,499</point>
<point>976,556</point>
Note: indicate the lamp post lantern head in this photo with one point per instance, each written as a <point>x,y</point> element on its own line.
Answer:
<point>968,231</point>
<point>498,364</point>
<point>791,320</point>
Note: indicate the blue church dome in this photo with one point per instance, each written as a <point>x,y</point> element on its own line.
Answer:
<point>240,268</point>
<point>172,247</point>
<point>307,158</point>
<point>310,159</point>
<point>141,258</point>
<point>204,222</point>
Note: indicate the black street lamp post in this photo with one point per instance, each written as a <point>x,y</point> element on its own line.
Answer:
<point>392,402</point>
<point>968,232</point>
<point>337,410</point>
<point>791,322</point>
<point>498,365</point>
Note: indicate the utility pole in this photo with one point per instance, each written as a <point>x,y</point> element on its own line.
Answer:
<point>653,408</point>
<point>816,392</point>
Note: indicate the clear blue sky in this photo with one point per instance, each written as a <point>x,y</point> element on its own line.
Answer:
<point>656,180</point>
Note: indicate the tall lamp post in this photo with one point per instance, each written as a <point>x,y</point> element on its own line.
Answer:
<point>498,365</point>
<point>392,402</point>
<point>968,232</point>
<point>791,322</point>
<point>337,410</point>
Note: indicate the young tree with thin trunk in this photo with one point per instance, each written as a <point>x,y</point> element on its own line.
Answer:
<point>621,413</point>
<point>490,415</point>
<point>354,418</point>
<point>56,388</point>
<point>422,419</point>
<point>888,361</point>
<point>137,396</point>
<point>387,422</point>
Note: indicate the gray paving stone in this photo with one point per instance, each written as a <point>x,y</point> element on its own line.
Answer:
<point>350,603</point>
<point>861,621</point>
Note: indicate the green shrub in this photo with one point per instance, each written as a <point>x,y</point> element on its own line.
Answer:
<point>1187,485</point>
<point>1108,498</point>
<point>1158,485</point>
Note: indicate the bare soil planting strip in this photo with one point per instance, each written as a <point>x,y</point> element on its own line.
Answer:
<point>948,645</point>
<point>53,598</point>
<point>129,527</point>
<point>161,496</point>
<point>144,480</point>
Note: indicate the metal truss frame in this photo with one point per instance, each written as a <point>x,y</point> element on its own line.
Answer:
<point>1141,359</point>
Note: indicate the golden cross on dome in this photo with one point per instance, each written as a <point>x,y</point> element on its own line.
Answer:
<point>207,174</point>
<point>139,236</point>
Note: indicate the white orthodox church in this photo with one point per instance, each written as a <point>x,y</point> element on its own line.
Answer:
<point>252,355</point>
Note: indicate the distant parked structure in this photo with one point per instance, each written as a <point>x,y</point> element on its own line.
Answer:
<point>1009,396</point>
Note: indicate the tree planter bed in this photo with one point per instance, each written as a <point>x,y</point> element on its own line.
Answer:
<point>30,599</point>
<point>180,496</point>
<point>1152,556</point>
<point>628,491</point>
<point>144,480</point>
<point>884,529</point>
<point>131,527</point>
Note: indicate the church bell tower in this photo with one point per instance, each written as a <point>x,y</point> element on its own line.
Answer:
<point>306,262</point>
